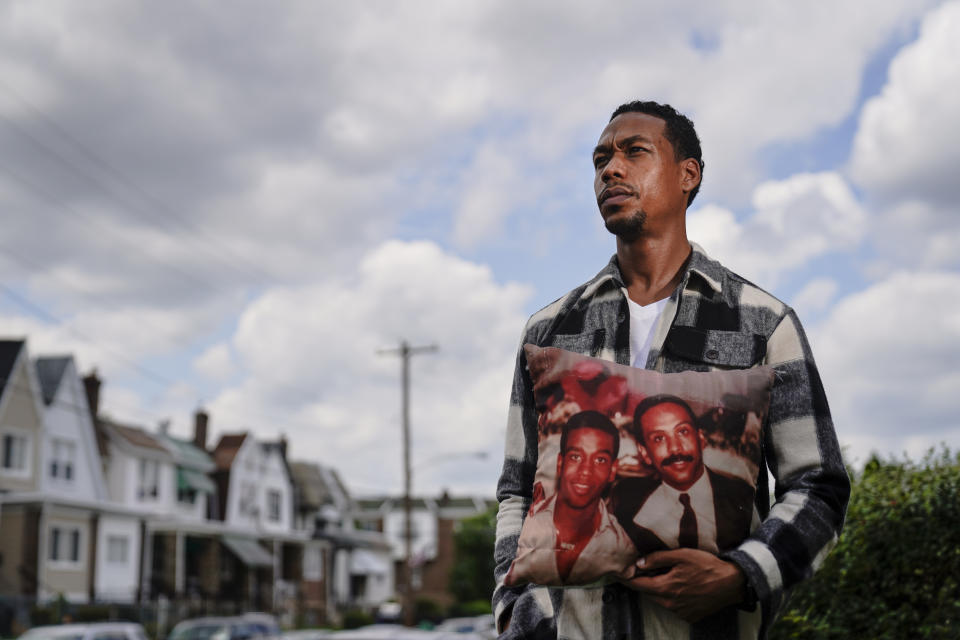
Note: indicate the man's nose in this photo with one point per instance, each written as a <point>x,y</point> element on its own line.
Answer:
<point>613,168</point>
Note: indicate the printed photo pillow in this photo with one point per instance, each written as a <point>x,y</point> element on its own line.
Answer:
<point>633,461</point>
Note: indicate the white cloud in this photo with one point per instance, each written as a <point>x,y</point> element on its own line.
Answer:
<point>888,358</point>
<point>216,362</point>
<point>908,145</point>
<point>794,221</point>
<point>815,296</point>
<point>310,360</point>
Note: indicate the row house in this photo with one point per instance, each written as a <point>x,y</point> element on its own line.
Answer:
<point>433,523</point>
<point>59,533</point>
<point>95,509</point>
<point>355,565</point>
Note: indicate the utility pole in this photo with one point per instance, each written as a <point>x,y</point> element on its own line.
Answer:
<point>405,351</point>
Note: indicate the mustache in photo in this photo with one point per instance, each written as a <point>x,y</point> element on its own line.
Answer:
<point>677,457</point>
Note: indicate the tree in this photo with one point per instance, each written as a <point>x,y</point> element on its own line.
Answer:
<point>471,577</point>
<point>896,570</point>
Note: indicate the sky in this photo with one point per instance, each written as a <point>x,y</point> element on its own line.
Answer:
<point>239,207</point>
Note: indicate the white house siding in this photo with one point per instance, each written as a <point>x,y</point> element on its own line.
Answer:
<point>115,580</point>
<point>424,525</point>
<point>68,420</point>
<point>20,415</point>
<point>65,575</point>
<point>275,479</point>
<point>195,511</point>
<point>253,474</point>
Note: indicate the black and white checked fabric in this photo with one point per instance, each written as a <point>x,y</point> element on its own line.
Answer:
<point>714,320</point>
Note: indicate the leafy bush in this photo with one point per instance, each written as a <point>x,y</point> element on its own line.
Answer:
<point>469,609</point>
<point>896,570</point>
<point>471,577</point>
<point>427,610</point>
<point>355,618</point>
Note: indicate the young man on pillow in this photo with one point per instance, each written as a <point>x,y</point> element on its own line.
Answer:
<point>583,540</point>
<point>663,304</point>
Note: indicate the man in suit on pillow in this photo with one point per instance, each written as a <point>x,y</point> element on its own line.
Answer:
<point>571,537</point>
<point>687,504</point>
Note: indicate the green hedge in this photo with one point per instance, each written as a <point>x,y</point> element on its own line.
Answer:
<point>896,570</point>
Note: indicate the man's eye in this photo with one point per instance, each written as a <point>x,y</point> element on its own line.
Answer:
<point>601,460</point>
<point>637,149</point>
<point>599,161</point>
<point>574,456</point>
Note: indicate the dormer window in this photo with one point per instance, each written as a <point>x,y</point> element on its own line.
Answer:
<point>273,505</point>
<point>149,487</point>
<point>63,460</point>
<point>14,452</point>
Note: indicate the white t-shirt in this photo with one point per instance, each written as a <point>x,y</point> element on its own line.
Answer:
<point>643,322</point>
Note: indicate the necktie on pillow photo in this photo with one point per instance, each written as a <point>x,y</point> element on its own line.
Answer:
<point>632,461</point>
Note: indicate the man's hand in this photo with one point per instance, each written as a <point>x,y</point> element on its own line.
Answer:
<point>696,583</point>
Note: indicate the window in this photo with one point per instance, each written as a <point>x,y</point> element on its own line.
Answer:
<point>64,545</point>
<point>313,563</point>
<point>149,479</point>
<point>248,499</point>
<point>15,454</point>
<point>63,459</point>
<point>273,505</point>
<point>117,549</point>
<point>187,495</point>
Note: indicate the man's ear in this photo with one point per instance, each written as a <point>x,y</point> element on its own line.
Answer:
<point>703,440</point>
<point>559,469</point>
<point>689,174</point>
<point>613,470</point>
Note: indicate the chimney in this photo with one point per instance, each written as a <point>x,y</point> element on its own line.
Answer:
<point>164,426</point>
<point>91,384</point>
<point>283,446</point>
<point>200,420</point>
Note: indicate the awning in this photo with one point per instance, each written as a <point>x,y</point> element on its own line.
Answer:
<point>364,562</point>
<point>190,479</point>
<point>249,552</point>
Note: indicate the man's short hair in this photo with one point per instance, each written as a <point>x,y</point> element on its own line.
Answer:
<point>652,401</point>
<point>679,132</point>
<point>591,420</point>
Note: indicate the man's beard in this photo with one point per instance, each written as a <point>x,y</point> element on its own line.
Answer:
<point>626,228</point>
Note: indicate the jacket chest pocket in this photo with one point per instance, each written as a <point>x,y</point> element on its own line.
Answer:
<point>713,349</point>
<point>589,343</point>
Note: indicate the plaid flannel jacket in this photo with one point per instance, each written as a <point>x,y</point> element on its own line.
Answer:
<point>714,320</point>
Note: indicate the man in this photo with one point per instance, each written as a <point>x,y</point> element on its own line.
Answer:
<point>584,541</point>
<point>687,504</point>
<point>648,169</point>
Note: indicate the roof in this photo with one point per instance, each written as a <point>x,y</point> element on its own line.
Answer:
<point>186,453</point>
<point>445,505</point>
<point>50,372</point>
<point>308,480</point>
<point>226,449</point>
<point>136,436</point>
<point>9,351</point>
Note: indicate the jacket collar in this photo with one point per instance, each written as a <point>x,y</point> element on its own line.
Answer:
<point>700,267</point>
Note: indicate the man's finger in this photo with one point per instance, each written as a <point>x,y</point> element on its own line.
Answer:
<point>658,560</point>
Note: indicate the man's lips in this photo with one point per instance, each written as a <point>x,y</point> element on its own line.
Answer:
<point>615,195</point>
<point>580,488</point>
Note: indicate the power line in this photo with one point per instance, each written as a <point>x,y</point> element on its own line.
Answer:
<point>43,314</point>
<point>167,214</point>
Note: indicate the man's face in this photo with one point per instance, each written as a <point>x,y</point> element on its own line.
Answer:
<point>638,182</point>
<point>674,445</point>
<point>586,467</point>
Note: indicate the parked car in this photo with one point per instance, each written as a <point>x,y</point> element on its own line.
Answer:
<point>87,631</point>
<point>251,626</point>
